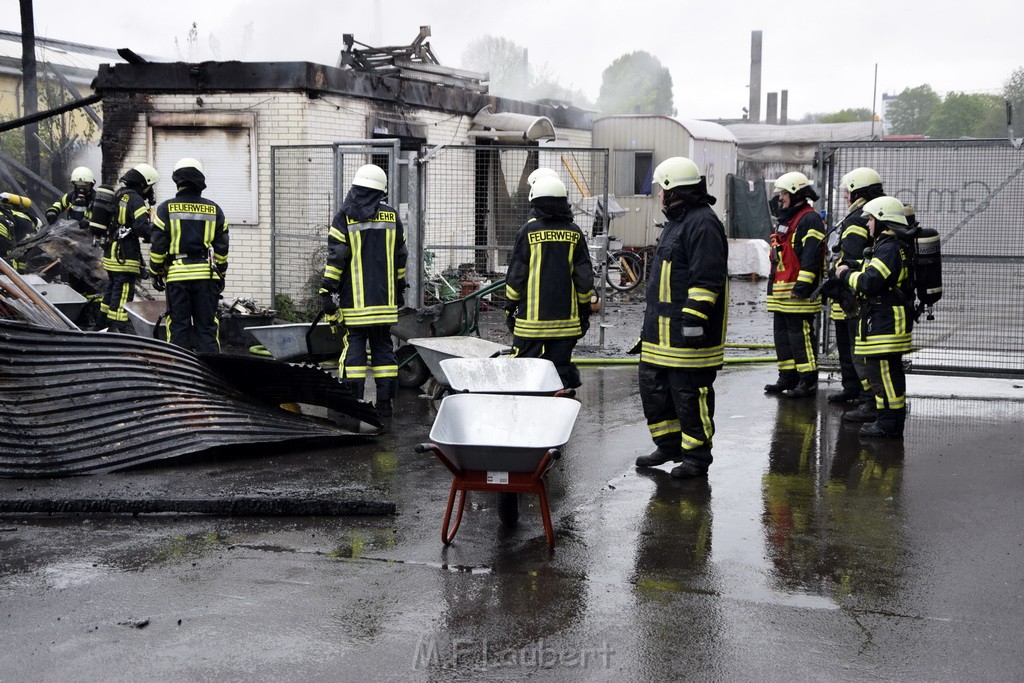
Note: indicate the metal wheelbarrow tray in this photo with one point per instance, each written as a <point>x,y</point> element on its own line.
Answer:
<point>296,341</point>
<point>501,443</point>
<point>503,375</point>
<point>433,350</point>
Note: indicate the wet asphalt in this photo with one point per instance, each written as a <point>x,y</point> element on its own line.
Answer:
<point>808,553</point>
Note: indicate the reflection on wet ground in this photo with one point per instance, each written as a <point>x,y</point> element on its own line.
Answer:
<point>808,552</point>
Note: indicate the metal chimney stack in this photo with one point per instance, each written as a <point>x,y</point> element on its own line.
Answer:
<point>755,77</point>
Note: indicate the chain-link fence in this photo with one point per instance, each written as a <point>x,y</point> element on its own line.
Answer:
<point>972,193</point>
<point>476,198</point>
<point>310,182</point>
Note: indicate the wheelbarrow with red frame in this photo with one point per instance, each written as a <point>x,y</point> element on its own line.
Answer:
<point>501,443</point>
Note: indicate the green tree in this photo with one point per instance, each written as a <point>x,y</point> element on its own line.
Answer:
<point>1013,92</point>
<point>911,111</point>
<point>501,59</point>
<point>847,115</point>
<point>968,115</point>
<point>636,83</point>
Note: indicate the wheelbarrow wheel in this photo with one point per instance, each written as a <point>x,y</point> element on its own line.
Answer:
<point>508,508</point>
<point>412,371</point>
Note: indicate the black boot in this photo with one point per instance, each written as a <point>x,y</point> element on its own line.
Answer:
<point>806,388</point>
<point>657,457</point>
<point>689,469</point>
<point>873,429</point>
<point>788,379</point>
<point>843,396</point>
<point>866,413</point>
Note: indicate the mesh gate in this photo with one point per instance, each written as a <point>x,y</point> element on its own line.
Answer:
<point>309,183</point>
<point>475,199</point>
<point>972,193</point>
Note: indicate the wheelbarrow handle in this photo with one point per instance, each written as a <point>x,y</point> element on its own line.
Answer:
<point>309,333</point>
<point>432,448</point>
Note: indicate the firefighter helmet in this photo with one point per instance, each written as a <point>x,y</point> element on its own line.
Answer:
<point>675,172</point>
<point>188,162</point>
<point>792,182</point>
<point>888,209</point>
<point>371,176</point>
<point>541,173</point>
<point>547,186</point>
<point>149,174</point>
<point>82,174</point>
<point>859,178</point>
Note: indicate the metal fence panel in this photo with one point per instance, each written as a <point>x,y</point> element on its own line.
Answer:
<point>972,193</point>
<point>475,199</point>
<point>309,184</point>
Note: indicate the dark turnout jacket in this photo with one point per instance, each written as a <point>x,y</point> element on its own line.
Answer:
<point>550,275</point>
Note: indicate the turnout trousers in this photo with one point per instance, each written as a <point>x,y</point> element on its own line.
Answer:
<point>796,342</point>
<point>192,314</point>
<point>352,367</point>
<point>680,409</point>
<point>120,290</point>
<point>888,381</point>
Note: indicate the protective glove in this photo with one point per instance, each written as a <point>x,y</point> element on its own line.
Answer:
<point>158,282</point>
<point>585,318</point>
<point>328,303</point>
<point>510,315</point>
<point>51,217</point>
<point>693,334</point>
<point>83,224</point>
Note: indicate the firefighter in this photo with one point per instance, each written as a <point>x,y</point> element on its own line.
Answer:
<point>797,257</point>
<point>682,343</point>
<point>550,282</point>
<point>122,254</point>
<point>884,328</point>
<point>860,186</point>
<point>189,258</point>
<point>75,203</point>
<point>364,284</point>
<point>15,225</point>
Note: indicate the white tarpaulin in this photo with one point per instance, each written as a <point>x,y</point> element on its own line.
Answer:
<point>749,256</point>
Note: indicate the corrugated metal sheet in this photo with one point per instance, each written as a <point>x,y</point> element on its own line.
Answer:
<point>87,402</point>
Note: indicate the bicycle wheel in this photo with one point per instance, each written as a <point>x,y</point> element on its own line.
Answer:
<point>625,270</point>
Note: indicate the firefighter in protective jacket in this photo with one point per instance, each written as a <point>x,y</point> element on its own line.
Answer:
<point>798,255</point>
<point>682,344</point>
<point>550,281</point>
<point>860,186</point>
<point>884,328</point>
<point>122,253</point>
<point>364,284</point>
<point>189,257</point>
<point>75,203</point>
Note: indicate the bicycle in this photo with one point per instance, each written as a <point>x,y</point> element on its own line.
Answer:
<point>624,269</point>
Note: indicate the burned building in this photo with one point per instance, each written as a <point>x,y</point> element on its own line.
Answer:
<point>280,142</point>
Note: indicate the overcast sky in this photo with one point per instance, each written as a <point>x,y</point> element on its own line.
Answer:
<point>822,52</point>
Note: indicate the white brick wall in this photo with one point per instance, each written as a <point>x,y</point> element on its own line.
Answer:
<point>294,119</point>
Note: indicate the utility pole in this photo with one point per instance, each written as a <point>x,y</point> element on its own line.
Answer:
<point>29,87</point>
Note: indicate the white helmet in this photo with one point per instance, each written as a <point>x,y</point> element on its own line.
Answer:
<point>546,186</point>
<point>860,178</point>
<point>676,172</point>
<point>792,182</point>
<point>888,209</point>
<point>149,174</point>
<point>82,174</point>
<point>541,173</point>
<point>188,162</point>
<point>371,176</point>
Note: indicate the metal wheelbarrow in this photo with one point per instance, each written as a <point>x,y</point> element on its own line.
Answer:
<point>500,443</point>
<point>434,351</point>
